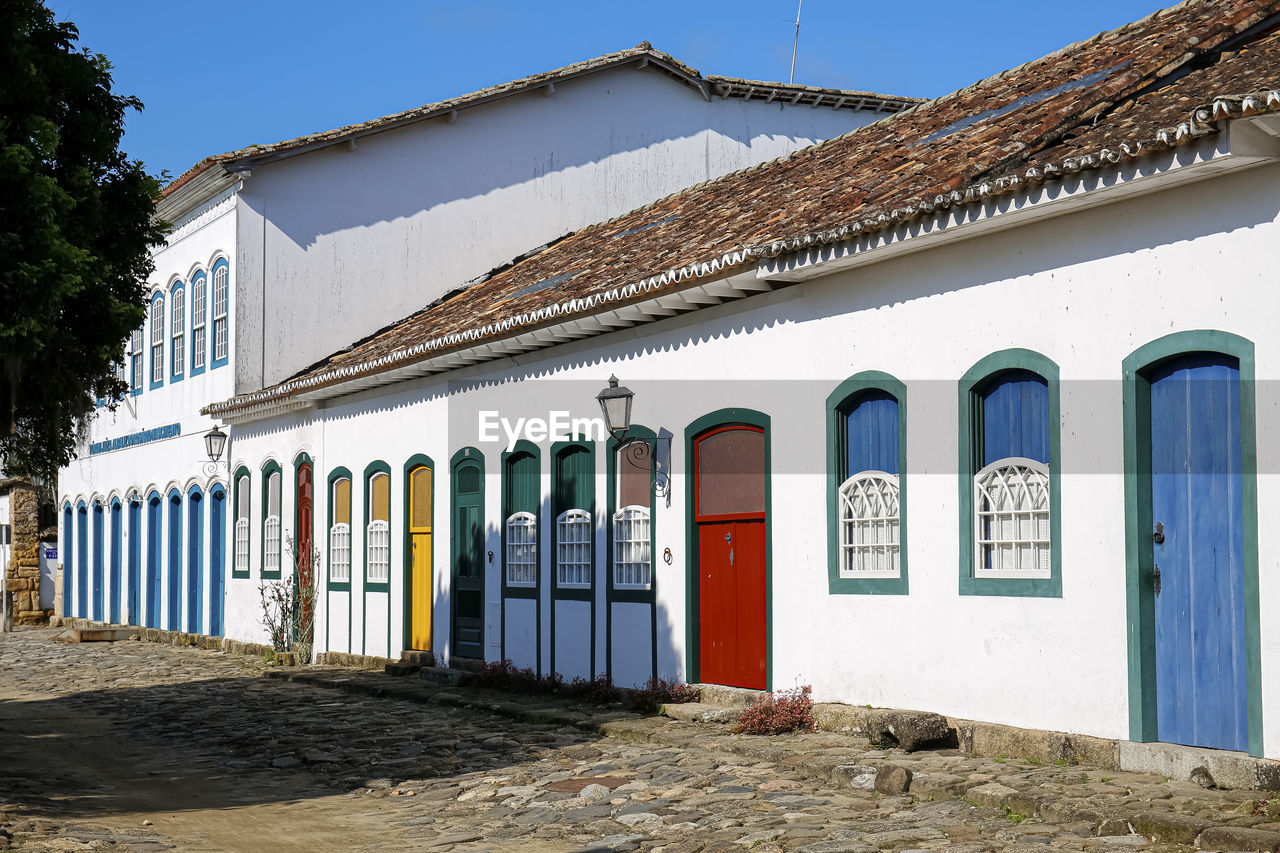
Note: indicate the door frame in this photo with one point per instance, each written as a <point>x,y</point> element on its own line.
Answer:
<point>693,620</point>
<point>1143,719</point>
<point>418,460</point>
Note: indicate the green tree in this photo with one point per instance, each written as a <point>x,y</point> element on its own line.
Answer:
<point>76,226</point>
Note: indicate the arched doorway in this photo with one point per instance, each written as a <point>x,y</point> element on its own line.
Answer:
<point>467,541</point>
<point>419,514</point>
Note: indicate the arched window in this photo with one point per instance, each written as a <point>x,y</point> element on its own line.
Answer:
<point>632,520</point>
<point>157,340</point>
<point>221,289</point>
<point>271,520</point>
<point>178,331</point>
<point>240,552</point>
<point>573,502</point>
<point>1009,414</point>
<point>378,528</point>
<point>340,530</point>
<point>521,503</point>
<point>866,439</point>
<point>199,317</point>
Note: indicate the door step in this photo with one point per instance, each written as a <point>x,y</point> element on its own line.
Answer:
<point>410,662</point>
<point>466,664</point>
<point>727,697</point>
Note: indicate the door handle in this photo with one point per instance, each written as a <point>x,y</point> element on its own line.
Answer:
<point>1158,536</point>
<point>1155,578</point>
<point>730,558</point>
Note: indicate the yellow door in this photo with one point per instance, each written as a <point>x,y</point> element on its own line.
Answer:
<point>420,567</point>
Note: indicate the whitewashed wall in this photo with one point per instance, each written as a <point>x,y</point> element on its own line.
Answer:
<point>1085,290</point>
<point>197,240</point>
<point>348,240</point>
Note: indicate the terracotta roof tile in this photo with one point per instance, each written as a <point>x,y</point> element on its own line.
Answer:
<point>1123,87</point>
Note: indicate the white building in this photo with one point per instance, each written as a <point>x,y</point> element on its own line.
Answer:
<point>957,407</point>
<point>281,254</point>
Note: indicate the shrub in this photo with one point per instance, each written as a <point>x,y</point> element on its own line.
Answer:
<point>777,713</point>
<point>659,691</point>
<point>598,690</point>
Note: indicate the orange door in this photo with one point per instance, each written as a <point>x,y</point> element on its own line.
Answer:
<point>729,514</point>
<point>420,557</point>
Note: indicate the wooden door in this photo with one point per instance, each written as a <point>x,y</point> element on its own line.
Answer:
<point>468,560</point>
<point>217,561</point>
<point>304,566</point>
<point>134,616</point>
<point>117,544</point>
<point>99,572</point>
<point>155,535</point>
<point>729,513</point>
<point>1198,550</point>
<point>195,562</point>
<point>175,562</point>
<point>420,598</point>
<point>82,561</point>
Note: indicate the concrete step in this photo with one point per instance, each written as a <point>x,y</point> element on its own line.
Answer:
<point>466,664</point>
<point>727,697</point>
<point>701,712</point>
<point>418,658</point>
<point>401,668</point>
<point>441,675</point>
<point>98,635</point>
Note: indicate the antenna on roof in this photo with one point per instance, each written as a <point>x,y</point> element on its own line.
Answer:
<point>796,43</point>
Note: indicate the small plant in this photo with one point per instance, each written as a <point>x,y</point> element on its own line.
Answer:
<point>506,676</point>
<point>598,690</point>
<point>1014,816</point>
<point>289,607</point>
<point>778,713</point>
<point>658,692</point>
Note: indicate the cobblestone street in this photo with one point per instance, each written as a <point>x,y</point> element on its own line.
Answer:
<point>137,746</point>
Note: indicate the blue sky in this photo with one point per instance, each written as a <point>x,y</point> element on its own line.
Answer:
<point>219,76</point>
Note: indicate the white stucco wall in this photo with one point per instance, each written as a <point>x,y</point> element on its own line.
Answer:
<point>195,243</point>
<point>340,242</point>
<point>1084,290</point>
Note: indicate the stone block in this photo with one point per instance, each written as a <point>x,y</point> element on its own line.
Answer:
<point>1174,828</point>
<point>859,776</point>
<point>892,779</point>
<point>701,712</point>
<point>1224,769</point>
<point>909,730</point>
<point>939,785</point>
<point>1048,747</point>
<point>1239,838</point>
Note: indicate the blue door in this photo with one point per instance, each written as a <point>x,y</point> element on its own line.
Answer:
<point>195,560</point>
<point>117,543</point>
<point>1198,550</point>
<point>217,547</point>
<point>175,561</point>
<point>154,534</point>
<point>99,572</point>
<point>82,561</point>
<point>135,562</point>
<point>67,539</point>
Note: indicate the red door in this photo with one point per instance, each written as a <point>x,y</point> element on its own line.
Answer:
<point>303,563</point>
<point>729,512</point>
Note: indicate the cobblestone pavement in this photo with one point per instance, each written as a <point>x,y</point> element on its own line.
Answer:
<point>135,746</point>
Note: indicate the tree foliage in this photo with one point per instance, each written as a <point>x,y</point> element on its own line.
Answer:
<point>76,226</point>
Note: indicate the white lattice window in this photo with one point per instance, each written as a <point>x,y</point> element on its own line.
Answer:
<point>378,537</point>
<point>632,562</point>
<point>220,313</point>
<point>157,341</point>
<point>573,548</point>
<point>178,322</point>
<point>340,553</point>
<point>1011,501</point>
<point>522,549</point>
<point>197,323</point>
<point>242,545</point>
<point>135,360</point>
<point>870,525</point>
<point>271,544</point>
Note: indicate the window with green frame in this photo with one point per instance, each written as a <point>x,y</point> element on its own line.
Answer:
<point>377,525</point>
<point>1009,507</point>
<point>271,533</point>
<point>240,553</point>
<point>866,486</point>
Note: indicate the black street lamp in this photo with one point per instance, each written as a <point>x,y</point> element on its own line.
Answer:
<point>615,403</point>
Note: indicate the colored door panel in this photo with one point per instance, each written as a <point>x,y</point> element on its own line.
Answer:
<point>175,562</point>
<point>195,562</point>
<point>155,534</point>
<point>1198,548</point>
<point>132,613</point>
<point>99,570</point>
<point>420,558</point>
<point>468,561</point>
<point>117,542</point>
<point>730,489</point>
<point>304,565</point>
<point>217,562</point>
<point>82,558</point>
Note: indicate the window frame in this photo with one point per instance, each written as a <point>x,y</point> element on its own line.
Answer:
<point>199,322</point>
<point>177,331</point>
<point>157,364</point>
<point>840,402</point>
<point>336,475</point>
<point>270,467</point>
<point>241,476</point>
<point>136,357</point>
<point>643,594</point>
<point>560,451</point>
<point>371,470</point>
<point>509,510</point>
<point>221,265</point>
<point>971,386</point>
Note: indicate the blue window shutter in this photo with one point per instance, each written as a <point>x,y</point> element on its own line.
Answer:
<point>1015,417</point>
<point>872,434</point>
